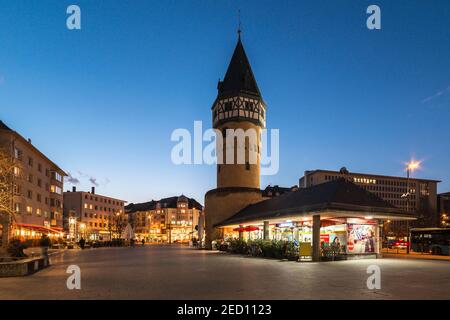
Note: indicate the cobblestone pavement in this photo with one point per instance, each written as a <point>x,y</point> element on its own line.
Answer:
<point>175,272</point>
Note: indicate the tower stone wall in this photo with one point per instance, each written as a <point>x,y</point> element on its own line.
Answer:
<point>238,105</point>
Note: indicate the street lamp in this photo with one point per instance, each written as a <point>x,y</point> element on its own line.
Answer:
<point>82,229</point>
<point>72,228</point>
<point>410,167</point>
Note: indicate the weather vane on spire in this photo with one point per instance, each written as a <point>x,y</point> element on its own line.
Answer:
<point>239,24</point>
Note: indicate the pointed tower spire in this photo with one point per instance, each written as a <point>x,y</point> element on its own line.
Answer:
<point>239,78</point>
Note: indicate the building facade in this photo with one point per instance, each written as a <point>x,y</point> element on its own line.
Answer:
<point>443,204</point>
<point>92,216</point>
<point>422,200</point>
<point>37,188</point>
<point>169,220</point>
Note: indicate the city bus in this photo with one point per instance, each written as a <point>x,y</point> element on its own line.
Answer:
<point>431,240</point>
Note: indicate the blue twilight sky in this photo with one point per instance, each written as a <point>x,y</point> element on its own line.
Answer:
<point>102,102</point>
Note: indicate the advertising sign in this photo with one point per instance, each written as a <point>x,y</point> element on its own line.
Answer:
<point>325,238</point>
<point>361,239</point>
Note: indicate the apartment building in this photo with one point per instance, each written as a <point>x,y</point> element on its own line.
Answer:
<point>174,219</point>
<point>92,216</point>
<point>37,188</point>
<point>421,200</point>
<point>443,201</point>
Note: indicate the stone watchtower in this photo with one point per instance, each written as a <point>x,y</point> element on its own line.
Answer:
<point>238,105</point>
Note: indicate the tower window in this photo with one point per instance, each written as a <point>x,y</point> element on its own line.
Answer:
<point>248,105</point>
<point>228,106</point>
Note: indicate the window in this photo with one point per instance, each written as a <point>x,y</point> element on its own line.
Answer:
<point>16,189</point>
<point>56,176</point>
<point>228,106</point>
<point>30,161</point>
<point>39,167</point>
<point>16,171</point>
<point>17,154</point>
<point>29,209</point>
<point>55,189</point>
<point>39,197</point>
<point>17,207</point>
<point>39,183</point>
<point>30,194</point>
<point>30,178</point>
<point>85,205</point>
<point>38,212</point>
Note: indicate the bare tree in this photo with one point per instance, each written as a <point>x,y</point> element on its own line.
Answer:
<point>7,214</point>
<point>116,226</point>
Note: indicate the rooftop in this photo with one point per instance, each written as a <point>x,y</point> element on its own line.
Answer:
<point>340,194</point>
<point>170,202</point>
<point>239,78</point>
<point>369,174</point>
<point>4,127</point>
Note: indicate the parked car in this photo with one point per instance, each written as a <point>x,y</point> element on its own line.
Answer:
<point>401,244</point>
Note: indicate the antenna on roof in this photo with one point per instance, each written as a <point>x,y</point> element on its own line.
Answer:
<point>239,24</point>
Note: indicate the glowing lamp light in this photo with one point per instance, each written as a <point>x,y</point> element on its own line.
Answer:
<point>369,217</point>
<point>413,165</point>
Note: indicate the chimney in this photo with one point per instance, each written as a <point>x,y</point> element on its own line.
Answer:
<point>29,140</point>
<point>74,189</point>
<point>93,190</point>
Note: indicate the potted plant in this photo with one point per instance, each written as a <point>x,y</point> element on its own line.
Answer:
<point>291,251</point>
<point>15,249</point>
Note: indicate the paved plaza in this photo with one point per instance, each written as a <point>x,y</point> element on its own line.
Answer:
<point>175,272</point>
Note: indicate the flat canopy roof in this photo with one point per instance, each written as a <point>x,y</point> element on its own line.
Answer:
<point>338,198</point>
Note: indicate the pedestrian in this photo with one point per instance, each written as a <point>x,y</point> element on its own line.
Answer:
<point>143,241</point>
<point>82,242</point>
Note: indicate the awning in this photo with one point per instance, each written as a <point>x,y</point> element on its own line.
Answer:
<point>246,229</point>
<point>39,228</point>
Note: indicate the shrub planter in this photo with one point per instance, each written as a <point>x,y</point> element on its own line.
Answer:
<point>10,267</point>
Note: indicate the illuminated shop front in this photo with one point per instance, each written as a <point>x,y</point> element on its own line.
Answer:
<point>337,216</point>
<point>351,235</point>
<point>25,231</point>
